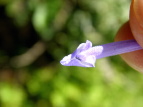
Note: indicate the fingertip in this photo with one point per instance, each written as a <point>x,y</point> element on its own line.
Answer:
<point>136,22</point>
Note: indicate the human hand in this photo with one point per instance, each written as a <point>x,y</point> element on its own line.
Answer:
<point>133,29</point>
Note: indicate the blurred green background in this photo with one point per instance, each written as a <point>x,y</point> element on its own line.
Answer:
<point>36,34</point>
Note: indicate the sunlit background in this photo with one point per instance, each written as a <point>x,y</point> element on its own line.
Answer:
<point>36,34</point>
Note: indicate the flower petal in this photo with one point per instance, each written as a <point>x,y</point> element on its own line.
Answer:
<point>82,47</point>
<point>91,59</point>
<point>68,61</point>
<point>87,59</point>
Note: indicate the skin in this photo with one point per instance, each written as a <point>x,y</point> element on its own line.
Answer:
<point>133,29</point>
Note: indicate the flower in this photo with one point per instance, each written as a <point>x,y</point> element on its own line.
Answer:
<point>83,56</point>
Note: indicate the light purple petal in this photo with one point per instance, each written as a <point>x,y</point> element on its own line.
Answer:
<point>66,60</point>
<point>82,47</point>
<point>88,62</point>
<point>97,50</point>
<point>87,59</point>
<point>85,46</point>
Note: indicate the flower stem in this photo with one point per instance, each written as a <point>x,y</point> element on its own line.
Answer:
<point>120,47</point>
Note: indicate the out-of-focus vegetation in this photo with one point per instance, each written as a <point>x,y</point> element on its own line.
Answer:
<point>36,34</point>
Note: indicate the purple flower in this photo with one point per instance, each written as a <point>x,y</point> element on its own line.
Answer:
<point>85,55</point>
